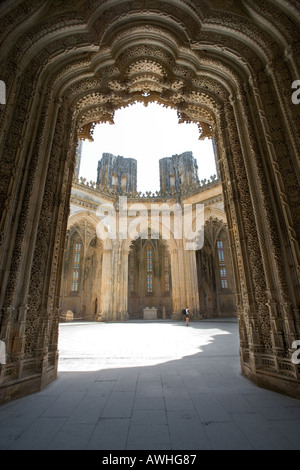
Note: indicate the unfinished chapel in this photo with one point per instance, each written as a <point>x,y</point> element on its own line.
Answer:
<point>72,249</point>
<point>156,276</point>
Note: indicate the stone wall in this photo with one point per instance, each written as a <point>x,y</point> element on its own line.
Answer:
<point>178,170</point>
<point>117,172</point>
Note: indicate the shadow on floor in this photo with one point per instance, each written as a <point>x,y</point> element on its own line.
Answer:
<point>150,386</point>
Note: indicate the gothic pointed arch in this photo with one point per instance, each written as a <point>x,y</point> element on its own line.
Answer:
<point>82,269</point>
<point>149,277</point>
<point>228,66</point>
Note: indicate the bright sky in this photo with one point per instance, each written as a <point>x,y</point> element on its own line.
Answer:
<point>146,134</point>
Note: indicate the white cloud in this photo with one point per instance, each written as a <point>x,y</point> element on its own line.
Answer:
<point>147,134</point>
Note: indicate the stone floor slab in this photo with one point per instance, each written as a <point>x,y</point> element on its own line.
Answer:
<point>150,386</point>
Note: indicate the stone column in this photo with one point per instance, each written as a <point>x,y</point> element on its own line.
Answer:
<point>106,286</point>
<point>178,282</point>
<point>123,302</point>
<point>114,291</point>
<point>191,277</point>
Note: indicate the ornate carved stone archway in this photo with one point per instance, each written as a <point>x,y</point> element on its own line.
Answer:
<point>229,66</point>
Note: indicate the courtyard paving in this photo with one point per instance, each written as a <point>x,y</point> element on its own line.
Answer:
<point>155,385</point>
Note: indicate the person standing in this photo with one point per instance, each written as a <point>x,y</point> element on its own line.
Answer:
<point>187,318</point>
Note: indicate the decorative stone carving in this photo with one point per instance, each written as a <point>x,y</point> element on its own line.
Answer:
<point>68,65</point>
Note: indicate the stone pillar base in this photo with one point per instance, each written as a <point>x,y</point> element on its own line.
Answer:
<point>175,316</point>
<point>23,387</point>
<point>272,382</point>
<point>110,317</point>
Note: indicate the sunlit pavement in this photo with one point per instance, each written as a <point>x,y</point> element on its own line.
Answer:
<point>152,386</point>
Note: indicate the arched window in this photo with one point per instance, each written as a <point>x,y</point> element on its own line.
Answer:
<point>76,264</point>
<point>149,270</point>
<point>123,181</point>
<point>221,260</point>
<point>114,180</point>
<point>166,270</point>
<point>131,271</point>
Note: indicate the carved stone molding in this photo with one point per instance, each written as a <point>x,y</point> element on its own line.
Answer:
<point>227,66</point>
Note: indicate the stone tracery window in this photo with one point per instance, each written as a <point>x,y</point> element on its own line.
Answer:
<point>221,260</point>
<point>149,270</point>
<point>76,264</point>
<point>131,271</point>
<point>166,270</point>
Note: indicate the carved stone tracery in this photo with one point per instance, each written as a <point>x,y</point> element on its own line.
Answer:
<point>227,66</point>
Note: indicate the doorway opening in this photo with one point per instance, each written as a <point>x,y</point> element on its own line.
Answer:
<point>151,160</point>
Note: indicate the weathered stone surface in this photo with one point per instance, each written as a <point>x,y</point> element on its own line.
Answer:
<point>227,66</point>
